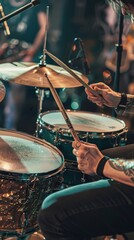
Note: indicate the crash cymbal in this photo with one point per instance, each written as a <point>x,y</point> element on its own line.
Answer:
<point>32,74</point>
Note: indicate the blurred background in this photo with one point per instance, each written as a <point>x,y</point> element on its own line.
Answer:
<point>82,34</point>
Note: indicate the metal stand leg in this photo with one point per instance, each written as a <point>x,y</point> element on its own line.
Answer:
<point>40,94</point>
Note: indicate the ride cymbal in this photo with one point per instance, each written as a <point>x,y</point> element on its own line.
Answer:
<point>31,74</point>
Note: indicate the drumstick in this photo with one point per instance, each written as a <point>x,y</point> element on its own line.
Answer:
<point>59,62</point>
<point>62,109</point>
<point>65,116</point>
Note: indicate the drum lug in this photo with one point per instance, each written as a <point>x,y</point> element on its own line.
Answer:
<point>116,142</point>
<point>126,135</point>
<point>56,139</point>
<point>40,132</point>
<point>123,140</point>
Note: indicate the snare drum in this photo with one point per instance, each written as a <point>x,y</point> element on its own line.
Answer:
<point>30,169</point>
<point>100,129</point>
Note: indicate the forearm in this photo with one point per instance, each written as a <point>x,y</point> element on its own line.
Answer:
<point>120,170</point>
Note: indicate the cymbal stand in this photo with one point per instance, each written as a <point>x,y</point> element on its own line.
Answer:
<point>40,91</point>
<point>40,95</point>
<point>119,48</point>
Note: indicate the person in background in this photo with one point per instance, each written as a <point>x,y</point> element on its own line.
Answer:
<point>25,43</point>
<point>104,207</point>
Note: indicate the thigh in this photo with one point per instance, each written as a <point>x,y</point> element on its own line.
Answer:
<point>103,207</point>
<point>126,152</point>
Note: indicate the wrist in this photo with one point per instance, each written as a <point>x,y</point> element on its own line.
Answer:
<point>101,166</point>
<point>123,100</point>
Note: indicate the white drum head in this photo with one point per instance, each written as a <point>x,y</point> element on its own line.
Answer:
<point>22,153</point>
<point>84,121</point>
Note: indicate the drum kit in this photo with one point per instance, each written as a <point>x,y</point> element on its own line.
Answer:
<point>32,167</point>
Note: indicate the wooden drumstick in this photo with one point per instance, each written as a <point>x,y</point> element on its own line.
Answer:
<point>63,65</point>
<point>106,74</point>
<point>62,109</point>
<point>2,91</point>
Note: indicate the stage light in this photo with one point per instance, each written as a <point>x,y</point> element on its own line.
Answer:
<point>63,95</point>
<point>75,105</point>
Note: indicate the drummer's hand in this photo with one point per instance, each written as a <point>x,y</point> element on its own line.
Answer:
<point>105,95</point>
<point>88,156</point>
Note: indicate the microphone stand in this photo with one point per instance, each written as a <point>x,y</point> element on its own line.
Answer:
<point>119,48</point>
<point>31,4</point>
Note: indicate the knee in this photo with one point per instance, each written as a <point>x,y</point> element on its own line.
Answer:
<point>50,209</point>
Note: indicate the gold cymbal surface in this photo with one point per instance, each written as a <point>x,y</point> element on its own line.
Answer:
<point>32,74</point>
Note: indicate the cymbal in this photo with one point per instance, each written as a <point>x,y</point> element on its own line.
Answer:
<point>31,74</point>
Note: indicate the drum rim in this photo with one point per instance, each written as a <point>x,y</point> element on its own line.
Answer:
<point>25,176</point>
<point>30,176</point>
<point>65,130</point>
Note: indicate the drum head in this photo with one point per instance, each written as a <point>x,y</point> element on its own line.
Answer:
<point>83,121</point>
<point>25,154</point>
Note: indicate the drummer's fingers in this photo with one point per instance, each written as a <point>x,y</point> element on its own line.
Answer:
<point>98,101</point>
<point>94,98</point>
<point>75,152</point>
<point>89,93</point>
<point>104,92</point>
<point>83,166</point>
<point>100,104</point>
<point>99,85</point>
<point>76,144</point>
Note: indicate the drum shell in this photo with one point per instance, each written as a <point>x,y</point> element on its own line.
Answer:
<point>22,200</point>
<point>21,194</point>
<point>62,138</point>
<point>73,176</point>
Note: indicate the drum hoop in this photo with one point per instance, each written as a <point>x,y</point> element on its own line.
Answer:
<point>30,176</point>
<point>26,176</point>
<point>54,129</point>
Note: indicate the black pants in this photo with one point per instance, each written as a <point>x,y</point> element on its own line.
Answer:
<point>104,207</point>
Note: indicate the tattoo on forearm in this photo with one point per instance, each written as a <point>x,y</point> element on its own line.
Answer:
<point>126,166</point>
